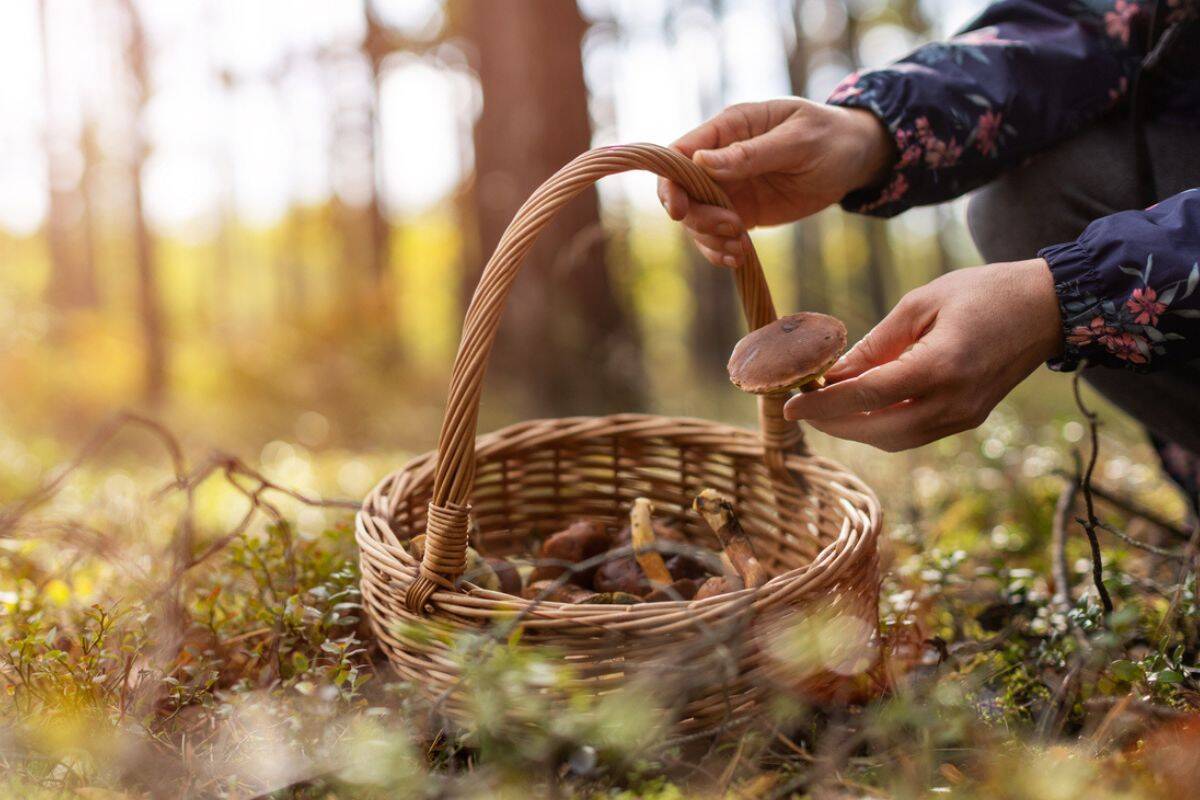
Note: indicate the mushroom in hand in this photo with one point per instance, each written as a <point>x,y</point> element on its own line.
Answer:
<point>790,353</point>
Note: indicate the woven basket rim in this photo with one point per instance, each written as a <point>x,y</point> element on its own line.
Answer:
<point>825,562</point>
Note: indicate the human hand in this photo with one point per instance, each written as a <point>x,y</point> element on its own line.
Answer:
<point>941,360</point>
<point>778,161</point>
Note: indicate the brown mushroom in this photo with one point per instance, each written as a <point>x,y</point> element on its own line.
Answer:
<point>718,584</point>
<point>718,513</point>
<point>789,353</point>
<point>507,573</point>
<point>580,541</point>
<point>687,567</point>
<point>416,546</point>
<point>621,575</point>
<point>610,599</point>
<point>524,568</point>
<point>684,589</point>
<point>479,572</point>
<point>548,591</point>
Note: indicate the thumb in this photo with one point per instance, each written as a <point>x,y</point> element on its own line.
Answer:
<point>773,151</point>
<point>898,331</point>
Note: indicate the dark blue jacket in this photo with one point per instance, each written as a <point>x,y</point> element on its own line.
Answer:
<point>1028,74</point>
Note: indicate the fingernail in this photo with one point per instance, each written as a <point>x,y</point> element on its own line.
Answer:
<point>727,230</point>
<point>729,261</point>
<point>734,246</point>
<point>714,157</point>
<point>838,367</point>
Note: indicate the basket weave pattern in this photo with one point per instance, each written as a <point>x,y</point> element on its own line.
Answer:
<point>814,524</point>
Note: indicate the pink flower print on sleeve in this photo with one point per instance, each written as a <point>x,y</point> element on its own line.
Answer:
<point>1143,304</point>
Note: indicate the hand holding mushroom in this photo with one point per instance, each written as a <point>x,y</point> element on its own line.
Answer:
<point>942,359</point>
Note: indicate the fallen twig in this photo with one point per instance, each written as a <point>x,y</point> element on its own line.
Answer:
<point>13,514</point>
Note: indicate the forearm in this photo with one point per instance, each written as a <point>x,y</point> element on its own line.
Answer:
<point>1027,74</point>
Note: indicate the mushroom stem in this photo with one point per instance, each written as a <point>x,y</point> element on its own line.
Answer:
<point>718,513</point>
<point>642,533</point>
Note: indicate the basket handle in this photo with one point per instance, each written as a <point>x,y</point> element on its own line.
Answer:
<point>446,534</point>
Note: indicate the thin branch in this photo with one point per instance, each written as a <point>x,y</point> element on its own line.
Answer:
<point>13,514</point>
<point>1161,552</point>
<point>1090,523</point>
<point>1134,509</point>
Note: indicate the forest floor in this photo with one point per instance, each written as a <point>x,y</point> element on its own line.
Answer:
<point>181,623</point>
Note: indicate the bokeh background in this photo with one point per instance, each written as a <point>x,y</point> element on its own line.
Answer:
<point>259,222</point>
<point>263,219</point>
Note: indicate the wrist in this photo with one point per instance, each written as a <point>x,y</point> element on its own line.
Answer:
<point>874,150</point>
<point>1045,317</point>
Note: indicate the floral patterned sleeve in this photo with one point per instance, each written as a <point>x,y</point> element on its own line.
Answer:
<point>1024,75</point>
<point>1127,287</point>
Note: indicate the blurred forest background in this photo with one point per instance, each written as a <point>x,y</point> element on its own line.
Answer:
<point>253,216</point>
<point>259,221</point>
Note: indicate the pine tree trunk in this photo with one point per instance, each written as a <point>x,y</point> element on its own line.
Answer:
<point>566,339</point>
<point>380,300</point>
<point>812,285</point>
<point>149,298</point>
<point>716,323</point>
<point>880,258</point>
<point>72,282</point>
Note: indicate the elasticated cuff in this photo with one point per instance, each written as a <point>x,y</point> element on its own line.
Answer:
<point>1071,268</point>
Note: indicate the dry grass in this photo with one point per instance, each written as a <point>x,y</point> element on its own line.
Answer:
<point>195,630</point>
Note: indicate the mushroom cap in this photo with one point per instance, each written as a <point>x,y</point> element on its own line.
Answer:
<point>788,353</point>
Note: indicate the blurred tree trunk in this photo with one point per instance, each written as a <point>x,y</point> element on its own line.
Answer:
<point>363,285</point>
<point>943,261</point>
<point>149,299</point>
<point>716,323</point>
<point>72,283</point>
<point>352,283</point>
<point>376,47</point>
<point>943,258</point>
<point>880,259</point>
<point>812,286</point>
<point>881,264</point>
<point>293,265</point>
<point>566,338</point>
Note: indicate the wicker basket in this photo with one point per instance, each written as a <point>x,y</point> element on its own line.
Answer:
<point>814,523</point>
